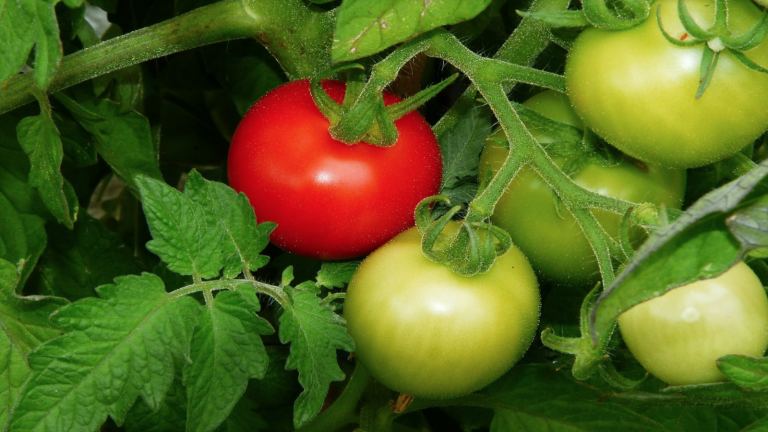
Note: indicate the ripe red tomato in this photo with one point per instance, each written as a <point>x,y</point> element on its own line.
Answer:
<point>330,200</point>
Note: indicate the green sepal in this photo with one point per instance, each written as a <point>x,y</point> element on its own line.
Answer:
<point>689,24</point>
<point>708,63</point>
<point>397,110</point>
<point>613,377</point>
<point>330,109</point>
<point>600,15</point>
<point>624,241</point>
<point>673,40</point>
<point>751,38</point>
<point>743,59</point>
<point>558,19</point>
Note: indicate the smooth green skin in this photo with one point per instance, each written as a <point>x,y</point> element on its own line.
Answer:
<point>556,246</point>
<point>679,336</point>
<point>637,90</point>
<point>422,330</point>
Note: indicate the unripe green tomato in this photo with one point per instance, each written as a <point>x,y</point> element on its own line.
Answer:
<point>552,241</point>
<point>679,336</point>
<point>423,330</point>
<point>638,91</point>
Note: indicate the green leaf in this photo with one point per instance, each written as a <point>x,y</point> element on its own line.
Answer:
<point>461,146</point>
<point>184,234</point>
<point>538,397</point>
<point>243,239</point>
<point>124,140</point>
<point>14,172</point>
<point>117,347</point>
<point>715,233</point>
<point>170,417</point>
<point>365,27</point>
<point>24,23</point>
<point>25,325</point>
<point>243,418</point>
<point>77,261</point>
<point>336,274</point>
<point>226,351</point>
<point>40,140</point>
<point>746,372</point>
<point>315,333</point>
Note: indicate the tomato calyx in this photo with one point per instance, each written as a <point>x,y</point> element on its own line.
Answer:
<point>363,116</point>
<point>716,39</point>
<point>470,250</point>
<point>624,15</point>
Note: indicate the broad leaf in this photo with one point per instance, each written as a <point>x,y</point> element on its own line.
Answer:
<point>366,27</point>
<point>711,236</point>
<point>461,147</point>
<point>315,333</point>
<point>746,372</point>
<point>170,417</point>
<point>24,23</point>
<point>244,418</point>
<point>243,239</point>
<point>185,236</point>
<point>25,325</point>
<point>226,352</point>
<point>117,347</point>
<point>41,142</point>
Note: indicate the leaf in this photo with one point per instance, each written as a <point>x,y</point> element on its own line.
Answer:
<point>77,261</point>
<point>24,23</point>
<point>25,325</point>
<point>40,140</point>
<point>538,397</point>
<point>315,333</point>
<point>14,172</point>
<point>746,372</point>
<point>243,239</point>
<point>244,418</point>
<point>715,233</point>
<point>461,146</point>
<point>336,274</point>
<point>226,351</point>
<point>184,235</point>
<point>365,27</point>
<point>117,347</point>
<point>170,417</point>
<point>123,139</point>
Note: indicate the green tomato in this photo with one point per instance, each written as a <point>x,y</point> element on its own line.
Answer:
<point>553,240</point>
<point>638,91</point>
<point>679,336</point>
<point>423,330</point>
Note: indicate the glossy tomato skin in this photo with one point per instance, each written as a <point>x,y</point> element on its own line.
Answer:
<point>425,331</point>
<point>552,241</point>
<point>637,90</point>
<point>679,336</point>
<point>330,200</point>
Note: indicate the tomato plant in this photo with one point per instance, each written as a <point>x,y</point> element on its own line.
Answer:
<point>330,200</point>
<point>544,229</point>
<point>679,336</point>
<point>638,91</point>
<point>425,331</point>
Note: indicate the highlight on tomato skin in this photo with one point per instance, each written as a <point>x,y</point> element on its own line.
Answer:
<point>679,336</point>
<point>330,200</point>
<point>423,330</point>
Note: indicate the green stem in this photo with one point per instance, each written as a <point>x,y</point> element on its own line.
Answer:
<point>298,36</point>
<point>344,409</point>
<point>205,286</point>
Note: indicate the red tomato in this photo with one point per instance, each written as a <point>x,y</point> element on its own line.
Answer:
<point>330,200</point>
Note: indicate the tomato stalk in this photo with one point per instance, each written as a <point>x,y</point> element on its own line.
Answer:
<point>299,37</point>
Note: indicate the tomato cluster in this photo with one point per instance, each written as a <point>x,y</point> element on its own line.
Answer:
<point>422,329</point>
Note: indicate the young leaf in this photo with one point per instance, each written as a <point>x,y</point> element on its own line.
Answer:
<point>40,140</point>
<point>77,261</point>
<point>336,274</point>
<point>461,146</point>
<point>24,23</point>
<point>711,236</point>
<point>185,236</point>
<point>539,397</point>
<point>244,240</point>
<point>315,333</point>
<point>124,140</point>
<point>25,325</point>
<point>226,352</point>
<point>364,28</point>
<point>117,347</point>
